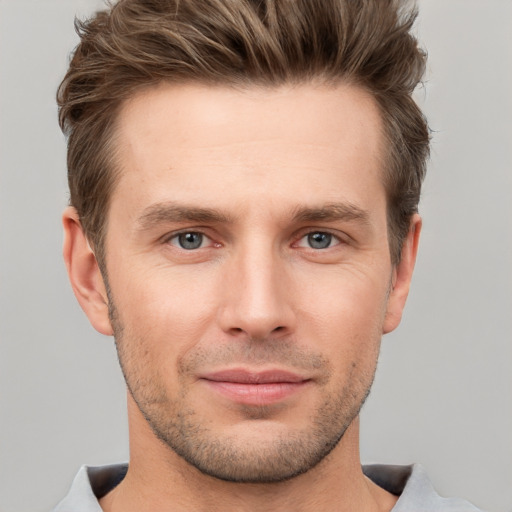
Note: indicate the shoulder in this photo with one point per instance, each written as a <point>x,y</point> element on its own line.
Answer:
<point>413,486</point>
<point>90,484</point>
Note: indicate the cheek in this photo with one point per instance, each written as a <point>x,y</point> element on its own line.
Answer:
<point>170,311</point>
<point>346,299</point>
<point>345,316</point>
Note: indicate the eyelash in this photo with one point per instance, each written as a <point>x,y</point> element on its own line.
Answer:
<point>331,237</point>
<point>175,236</point>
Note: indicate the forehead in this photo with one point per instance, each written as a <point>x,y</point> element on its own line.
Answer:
<point>206,143</point>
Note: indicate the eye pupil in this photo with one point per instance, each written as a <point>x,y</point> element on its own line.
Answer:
<point>190,241</point>
<point>319,240</point>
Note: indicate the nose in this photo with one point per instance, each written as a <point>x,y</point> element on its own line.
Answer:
<point>257,297</point>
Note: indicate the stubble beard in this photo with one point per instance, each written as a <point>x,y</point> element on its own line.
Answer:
<point>184,431</point>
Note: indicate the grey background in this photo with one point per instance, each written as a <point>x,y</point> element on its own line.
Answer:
<point>444,386</point>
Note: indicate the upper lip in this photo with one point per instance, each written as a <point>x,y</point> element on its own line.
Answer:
<point>243,376</point>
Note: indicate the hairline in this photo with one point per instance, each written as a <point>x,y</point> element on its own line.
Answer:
<point>113,166</point>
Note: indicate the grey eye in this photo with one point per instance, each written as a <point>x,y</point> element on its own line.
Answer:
<point>190,241</point>
<point>319,240</point>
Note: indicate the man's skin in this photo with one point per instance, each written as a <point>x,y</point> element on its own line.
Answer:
<point>250,351</point>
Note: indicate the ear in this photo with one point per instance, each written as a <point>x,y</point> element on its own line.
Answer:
<point>84,273</point>
<point>402,276</point>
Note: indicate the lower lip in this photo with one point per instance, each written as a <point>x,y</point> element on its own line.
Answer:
<point>257,394</point>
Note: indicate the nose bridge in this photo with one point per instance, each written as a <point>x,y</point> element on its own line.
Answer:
<point>258,299</point>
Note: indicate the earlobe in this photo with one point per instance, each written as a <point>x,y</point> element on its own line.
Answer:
<point>402,276</point>
<point>84,273</point>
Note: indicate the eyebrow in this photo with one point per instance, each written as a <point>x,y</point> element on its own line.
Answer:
<point>160,213</point>
<point>332,212</point>
<point>167,212</point>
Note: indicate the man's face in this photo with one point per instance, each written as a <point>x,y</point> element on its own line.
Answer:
<point>249,270</point>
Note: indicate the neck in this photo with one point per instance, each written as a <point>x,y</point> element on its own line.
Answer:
<point>158,479</point>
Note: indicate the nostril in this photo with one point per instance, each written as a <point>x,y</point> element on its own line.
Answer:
<point>280,328</point>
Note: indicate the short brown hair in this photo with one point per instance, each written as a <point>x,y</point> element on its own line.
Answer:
<point>139,43</point>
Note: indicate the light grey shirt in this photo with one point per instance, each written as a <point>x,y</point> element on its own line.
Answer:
<point>409,482</point>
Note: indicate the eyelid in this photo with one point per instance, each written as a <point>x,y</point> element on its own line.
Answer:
<point>340,237</point>
<point>166,239</point>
